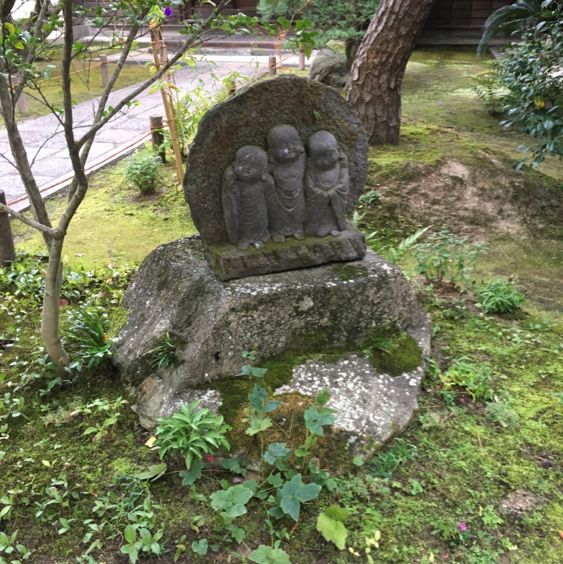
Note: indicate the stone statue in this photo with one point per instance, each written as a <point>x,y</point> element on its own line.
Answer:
<point>246,187</point>
<point>326,186</point>
<point>286,204</point>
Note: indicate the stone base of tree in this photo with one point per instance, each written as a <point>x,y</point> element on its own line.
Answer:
<point>335,307</point>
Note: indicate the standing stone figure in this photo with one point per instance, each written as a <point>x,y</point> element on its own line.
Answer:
<point>246,187</point>
<point>286,205</point>
<point>326,186</point>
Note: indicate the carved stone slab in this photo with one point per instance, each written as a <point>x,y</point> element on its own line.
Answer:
<point>228,261</point>
<point>317,164</point>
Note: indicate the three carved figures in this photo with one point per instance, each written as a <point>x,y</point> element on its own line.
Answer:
<point>287,191</point>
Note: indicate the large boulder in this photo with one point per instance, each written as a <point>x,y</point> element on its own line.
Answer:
<point>330,68</point>
<point>333,306</point>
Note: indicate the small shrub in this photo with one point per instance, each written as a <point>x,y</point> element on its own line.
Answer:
<point>370,198</point>
<point>500,412</point>
<point>164,354</point>
<point>488,88</point>
<point>142,171</point>
<point>445,257</point>
<point>499,296</point>
<point>87,335</point>
<point>475,379</point>
<point>192,432</point>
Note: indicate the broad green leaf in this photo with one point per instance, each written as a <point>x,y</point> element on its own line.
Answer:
<point>332,530</point>
<point>234,465</point>
<point>153,472</point>
<point>233,501</point>
<point>130,534</point>
<point>258,424</point>
<point>200,547</point>
<point>193,474</point>
<point>294,492</point>
<point>317,418</point>
<point>322,397</point>
<point>337,513</point>
<point>268,555</point>
<point>275,452</point>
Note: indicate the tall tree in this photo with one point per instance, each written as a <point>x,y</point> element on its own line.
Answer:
<point>378,69</point>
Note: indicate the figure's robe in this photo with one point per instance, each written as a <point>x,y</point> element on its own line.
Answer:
<point>326,194</point>
<point>245,209</point>
<point>286,203</point>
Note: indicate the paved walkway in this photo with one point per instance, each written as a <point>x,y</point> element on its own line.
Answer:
<point>46,145</point>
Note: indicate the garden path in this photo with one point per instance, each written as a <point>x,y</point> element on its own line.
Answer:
<point>45,142</point>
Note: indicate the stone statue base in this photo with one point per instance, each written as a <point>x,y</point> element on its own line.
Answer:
<point>228,261</point>
<point>334,307</point>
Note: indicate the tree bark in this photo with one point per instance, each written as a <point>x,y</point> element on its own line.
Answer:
<point>379,66</point>
<point>51,306</point>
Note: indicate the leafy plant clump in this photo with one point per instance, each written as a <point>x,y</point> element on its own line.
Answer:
<point>445,257</point>
<point>499,296</point>
<point>142,170</point>
<point>88,338</point>
<point>475,379</point>
<point>193,433</point>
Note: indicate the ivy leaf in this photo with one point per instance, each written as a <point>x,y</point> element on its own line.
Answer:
<point>275,480</point>
<point>233,501</point>
<point>275,452</point>
<point>332,530</point>
<point>317,418</point>
<point>294,492</point>
<point>268,555</point>
<point>200,547</point>
<point>258,424</point>
<point>234,465</point>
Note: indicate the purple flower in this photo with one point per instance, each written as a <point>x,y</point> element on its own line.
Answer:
<point>168,12</point>
<point>462,526</point>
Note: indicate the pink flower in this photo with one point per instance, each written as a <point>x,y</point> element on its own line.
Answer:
<point>462,526</point>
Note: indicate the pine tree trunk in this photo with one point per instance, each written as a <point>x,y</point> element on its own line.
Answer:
<point>379,66</point>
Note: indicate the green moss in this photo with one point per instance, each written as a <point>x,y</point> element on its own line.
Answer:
<point>394,353</point>
<point>117,320</point>
<point>126,227</point>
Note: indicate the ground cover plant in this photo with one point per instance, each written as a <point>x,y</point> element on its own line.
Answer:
<point>474,479</point>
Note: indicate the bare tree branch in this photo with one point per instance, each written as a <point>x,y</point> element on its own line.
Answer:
<point>54,233</point>
<point>144,85</point>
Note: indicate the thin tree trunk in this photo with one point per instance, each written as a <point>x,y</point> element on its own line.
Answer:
<point>379,66</point>
<point>51,306</point>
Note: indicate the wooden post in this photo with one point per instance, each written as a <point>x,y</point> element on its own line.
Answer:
<point>160,56</point>
<point>21,104</point>
<point>7,247</point>
<point>232,86</point>
<point>104,70</point>
<point>301,60</point>
<point>272,65</point>
<point>158,137</point>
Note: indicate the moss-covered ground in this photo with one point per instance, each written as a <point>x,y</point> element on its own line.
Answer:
<point>475,479</point>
